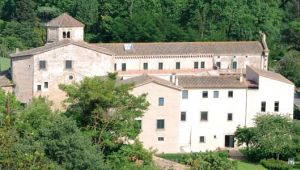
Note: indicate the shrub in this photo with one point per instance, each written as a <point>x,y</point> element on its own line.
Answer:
<point>298,156</point>
<point>272,164</point>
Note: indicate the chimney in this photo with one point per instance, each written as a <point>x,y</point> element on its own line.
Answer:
<point>173,78</point>
<point>176,81</point>
<point>17,50</point>
<point>241,76</point>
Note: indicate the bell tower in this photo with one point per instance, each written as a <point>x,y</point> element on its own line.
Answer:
<point>64,27</point>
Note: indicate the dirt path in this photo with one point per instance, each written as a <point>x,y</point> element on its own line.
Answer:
<point>236,155</point>
<point>168,165</point>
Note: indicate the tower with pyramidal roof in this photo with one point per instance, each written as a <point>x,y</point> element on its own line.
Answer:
<point>64,27</point>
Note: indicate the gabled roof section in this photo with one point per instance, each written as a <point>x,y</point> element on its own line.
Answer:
<point>63,43</point>
<point>145,79</point>
<point>186,48</point>
<point>64,20</point>
<point>270,75</point>
<point>211,82</point>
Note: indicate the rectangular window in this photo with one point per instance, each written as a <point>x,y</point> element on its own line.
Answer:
<point>219,64</point>
<point>204,116</point>
<point>276,106</point>
<point>202,139</point>
<point>161,139</point>
<point>204,94</point>
<point>139,124</point>
<point>160,66</point>
<point>202,64</point>
<point>230,94</point>
<point>195,65</point>
<point>263,106</point>
<point>68,64</point>
<point>123,66</point>
<point>160,101</point>
<point>185,94</point>
<point>183,116</point>
<point>160,123</point>
<point>145,66</point>
<point>45,85</point>
<point>177,65</point>
<point>39,87</point>
<point>234,65</point>
<point>216,94</point>
<point>115,68</point>
<point>229,116</point>
<point>42,64</point>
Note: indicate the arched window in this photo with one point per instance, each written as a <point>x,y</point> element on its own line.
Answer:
<point>68,34</point>
<point>64,34</point>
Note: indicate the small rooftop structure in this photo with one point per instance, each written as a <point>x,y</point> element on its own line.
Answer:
<point>64,20</point>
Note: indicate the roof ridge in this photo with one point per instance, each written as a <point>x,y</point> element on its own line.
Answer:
<point>180,42</point>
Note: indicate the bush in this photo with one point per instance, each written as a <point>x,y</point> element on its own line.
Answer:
<point>298,157</point>
<point>272,164</point>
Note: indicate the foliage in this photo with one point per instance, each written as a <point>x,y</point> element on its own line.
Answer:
<point>65,145</point>
<point>274,136</point>
<point>46,14</point>
<point>128,154</point>
<point>244,135</point>
<point>210,160</point>
<point>173,157</point>
<point>289,67</point>
<point>105,110</point>
<point>24,12</point>
<point>15,106</point>
<point>296,113</point>
<point>273,164</point>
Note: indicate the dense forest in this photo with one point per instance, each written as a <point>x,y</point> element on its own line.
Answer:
<point>22,21</point>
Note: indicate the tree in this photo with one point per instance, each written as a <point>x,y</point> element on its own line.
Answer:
<point>244,135</point>
<point>65,145</point>
<point>106,111</point>
<point>289,67</point>
<point>24,12</point>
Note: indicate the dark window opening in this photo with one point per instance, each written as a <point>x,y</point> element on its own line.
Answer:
<point>161,139</point>
<point>229,116</point>
<point>204,116</point>
<point>234,65</point>
<point>123,66</point>
<point>229,141</point>
<point>39,87</point>
<point>202,139</point>
<point>276,106</point>
<point>205,94</point>
<point>46,85</point>
<point>42,64</point>
<point>195,65</point>
<point>69,64</point>
<point>183,116</point>
<point>263,106</point>
<point>219,64</point>
<point>230,94</point>
<point>202,64</point>
<point>145,66</point>
<point>160,66</point>
<point>115,67</point>
<point>160,124</point>
<point>64,35</point>
<point>177,65</point>
<point>68,35</point>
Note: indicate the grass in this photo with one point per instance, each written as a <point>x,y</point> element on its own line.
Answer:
<point>4,63</point>
<point>243,165</point>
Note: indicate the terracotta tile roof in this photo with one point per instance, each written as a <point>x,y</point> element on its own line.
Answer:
<point>185,48</point>
<point>210,82</point>
<point>144,79</point>
<point>270,75</point>
<point>63,43</point>
<point>64,20</point>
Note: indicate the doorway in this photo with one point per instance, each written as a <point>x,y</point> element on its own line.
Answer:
<point>229,141</point>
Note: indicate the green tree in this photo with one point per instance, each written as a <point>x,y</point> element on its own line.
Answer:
<point>24,12</point>
<point>106,110</point>
<point>65,145</point>
<point>244,135</point>
<point>289,67</point>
